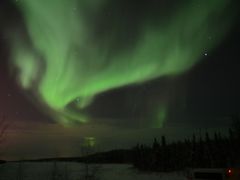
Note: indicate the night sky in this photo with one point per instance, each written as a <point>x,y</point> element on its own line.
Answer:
<point>120,71</point>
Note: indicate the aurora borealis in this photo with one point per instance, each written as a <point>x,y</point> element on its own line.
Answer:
<point>77,51</point>
<point>112,71</point>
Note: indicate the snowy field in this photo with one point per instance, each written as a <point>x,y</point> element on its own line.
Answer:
<point>78,171</point>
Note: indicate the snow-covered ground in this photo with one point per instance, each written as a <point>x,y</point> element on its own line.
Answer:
<point>78,171</point>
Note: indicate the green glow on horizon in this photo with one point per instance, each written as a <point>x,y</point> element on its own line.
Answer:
<point>77,69</point>
<point>161,116</point>
<point>89,141</point>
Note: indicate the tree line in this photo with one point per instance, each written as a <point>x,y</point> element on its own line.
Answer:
<point>196,152</point>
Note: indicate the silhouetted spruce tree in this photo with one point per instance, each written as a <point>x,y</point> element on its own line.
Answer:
<point>193,152</point>
<point>164,156</point>
<point>236,134</point>
<point>200,153</point>
<point>155,145</point>
<point>163,141</point>
<point>208,150</point>
<point>231,148</point>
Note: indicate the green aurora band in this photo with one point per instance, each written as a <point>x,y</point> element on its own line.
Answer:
<point>64,65</point>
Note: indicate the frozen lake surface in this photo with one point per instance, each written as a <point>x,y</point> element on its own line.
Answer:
<point>78,171</point>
